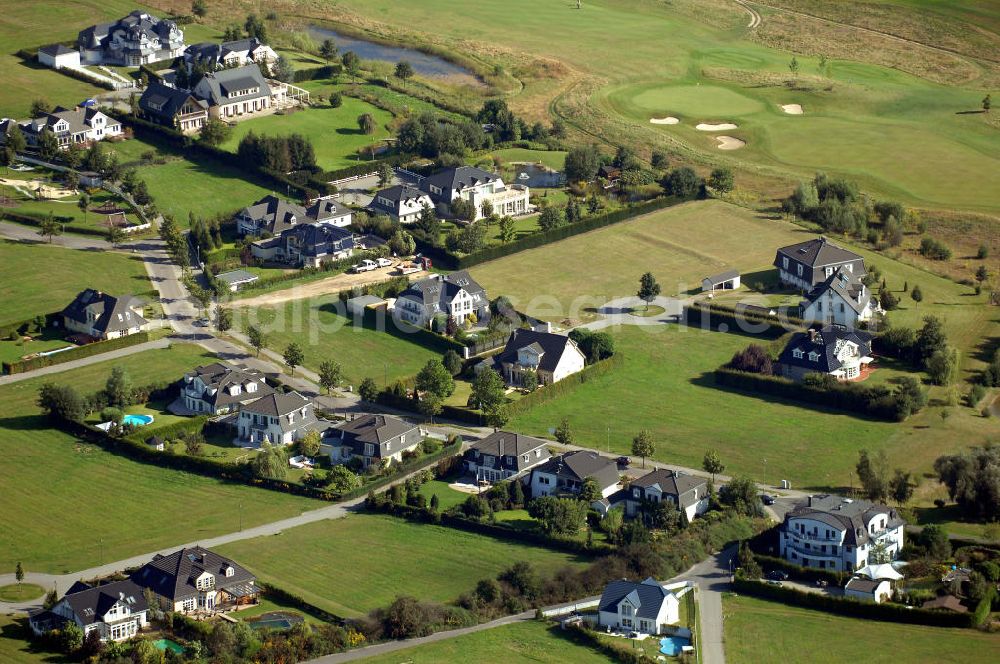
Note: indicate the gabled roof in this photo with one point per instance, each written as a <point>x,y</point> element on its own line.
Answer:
<point>166,102</point>
<point>220,378</point>
<point>826,343</point>
<point>56,49</point>
<point>847,285</point>
<point>113,314</point>
<point>376,430</point>
<point>722,276</point>
<point>580,465</point>
<point>90,603</point>
<point>276,215</point>
<point>844,514</point>
<point>861,585</point>
<point>817,252</point>
<point>511,443</point>
<point>400,192</point>
<point>173,576</point>
<point>325,209</point>
<point>217,85</point>
<point>546,344</point>
<point>320,239</point>
<point>458,178</point>
<point>277,404</point>
<point>671,483</point>
<point>647,597</point>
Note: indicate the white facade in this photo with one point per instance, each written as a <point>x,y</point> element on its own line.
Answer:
<point>811,542</point>
<point>406,210</point>
<point>119,623</point>
<point>880,593</point>
<point>255,428</point>
<point>68,59</point>
<point>416,313</point>
<point>831,308</point>
<point>629,615</point>
<point>546,484</point>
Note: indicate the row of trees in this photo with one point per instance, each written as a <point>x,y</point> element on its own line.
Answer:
<point>280,154</point>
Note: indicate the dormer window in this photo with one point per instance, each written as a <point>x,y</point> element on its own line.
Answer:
<point>813,356</point>
<point>797,354</point>
<point>230,571</point>
<point>251,387</point>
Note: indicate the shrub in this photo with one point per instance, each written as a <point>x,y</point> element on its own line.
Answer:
<point>934,249</point>
<point>753,359</point>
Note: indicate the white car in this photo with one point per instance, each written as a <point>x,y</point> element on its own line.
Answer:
<point>365,266</point>
<point>384,262</point>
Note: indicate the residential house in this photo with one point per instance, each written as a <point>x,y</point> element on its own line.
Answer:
<point>836,533</point>
<point>565,474</point>
<point>550,357</point>
<point>373,439</point>
<point>280,419</point>
<point>808,264</point>
<point>687,492</point>
<point>58,56</point>
<point>174,108</point>
<point>197,580</point>
<point>839,351</point>
<point>81,126</point>
<point>233,93</point>
<point>103,316</point>
<point>842,299</point>
<point>868,590</point>
<point>401,202</point>
<point>456,295</point>
<point>476,186</point>
<point>216,388</point>
<point>134,40</point>
<point>645,607</point>
<point>306,245</point>
<point>272,216</point>
<point>116,611</point>
<point>503,455</point>
<point>211,56</point>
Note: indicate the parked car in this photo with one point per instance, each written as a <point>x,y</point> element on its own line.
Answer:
<point>767,500</point>
<point>201,322</point>
<point>384,262</point>
<point>624,461</point>
<point>773,582</point>
<point>777,575</point>
<point>365,266</point>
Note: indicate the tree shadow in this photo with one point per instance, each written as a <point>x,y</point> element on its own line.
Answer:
<point>18,630</point>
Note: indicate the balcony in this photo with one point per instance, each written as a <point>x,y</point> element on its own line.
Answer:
<point>812,537</point>
<point>813,553</point>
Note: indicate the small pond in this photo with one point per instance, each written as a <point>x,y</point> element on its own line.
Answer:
<point>167,644</point>
<point>535,175</point>
<point>423,63</point>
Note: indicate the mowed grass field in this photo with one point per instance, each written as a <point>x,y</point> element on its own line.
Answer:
<point>352,565</point>
<point>325,334</point>
<point>40,278</point>
<point>56,489</point>
<point>755,630</point>
<point>333,132</point>
<point>521,643</point>
<point>15,643</point>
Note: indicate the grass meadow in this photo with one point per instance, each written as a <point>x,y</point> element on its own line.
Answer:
<point>325,334</point>
<point>352,565</point>
<point>39,278</point>
<point>55,486</point>
<point>756,629</point>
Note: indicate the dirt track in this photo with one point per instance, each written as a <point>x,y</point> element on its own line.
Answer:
<point>337,282</point>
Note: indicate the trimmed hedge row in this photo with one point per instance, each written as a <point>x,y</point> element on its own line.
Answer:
<point>567,384</point>
<point>808,573</point>
<point>443,258</point>
<point>315,73</point>
<point>850,397</point>
<point>403,330</point>
<point>852,608</point>
<point>21,366</point>
<point>401,469</point>
<point>36,220</point>
<point>713,316</point>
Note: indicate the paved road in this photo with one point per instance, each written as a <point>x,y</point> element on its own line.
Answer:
<point>84,361</point>
<point>28,234</point>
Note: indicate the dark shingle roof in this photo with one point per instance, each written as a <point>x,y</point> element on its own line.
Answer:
<point>164,101</point>
<point>844,514</point>
<point>277,404</point>
<point>458,178</point>
<point>399,192</point>
<point>320,239</point>
<point>580,465</point>
<point>173,576</point>
<point>114,314</point>
<point>671,483</point>
<point>648,596</point>
<point>215,86</point>
<point>722,276</point>
<point>825,342</point>
<point>376,430</point>
<point>817,253</point>
<point>91,603</point>
<point>56,49</point>
<point>221,378</point>
<point>513,445</point>
<point>862,585</point>
<point>848,285</point>
<point>275,215</point>
<point>552,347</point>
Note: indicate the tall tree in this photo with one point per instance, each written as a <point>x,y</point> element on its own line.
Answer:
<point>330,375</point>
<point>40,107</point>
<point>873,472</point>
<point>901,487</point>
<point>643,446</point>
<point>118,388</point>
<point>488,390</point>
<point>649,290</point>
<point>435,379</point>
<point>309,443</point>
<point>199,8</point>
<point>19,573</point>
<point>366,123</point>
<point>368,390</point>
<point>256,338</point>
<point>293,356</point>
<point>49,227</point>
<point>352,64</point>
<point>563,432</point>
<point>712,463</point>
<point>84,204</point>
<point>328,50</point>
<point>507,229</point>
<point>404,71</point>
<point>793,66</point>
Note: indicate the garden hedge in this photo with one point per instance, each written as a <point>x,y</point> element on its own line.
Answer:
<point>713,316</point>
<point>315,73</point>
<point>852,608</point>
<point>21,366</point>
<point>567,384</point>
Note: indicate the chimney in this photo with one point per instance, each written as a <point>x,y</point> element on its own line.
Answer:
<point>812,334</point>
<point>810,500</point>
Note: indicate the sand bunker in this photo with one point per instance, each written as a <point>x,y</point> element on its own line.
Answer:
<point>792,109</point>
<point>729,143</point>
<point>715,127</point>
<point>669,120</point>
<point>31,187</point>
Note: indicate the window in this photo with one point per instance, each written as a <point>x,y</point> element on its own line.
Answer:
<point>799,269</point>
<point>797,354</point>
<point>813,356</point>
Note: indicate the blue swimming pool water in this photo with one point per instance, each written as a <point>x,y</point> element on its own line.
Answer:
<point>672,645</point>
<point>137,420</point>
<point>167,644</point>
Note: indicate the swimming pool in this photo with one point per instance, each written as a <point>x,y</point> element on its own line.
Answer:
<point>137,420</point>
<point>672,645</point>
<point>275,620</point>
<point>167,644</point>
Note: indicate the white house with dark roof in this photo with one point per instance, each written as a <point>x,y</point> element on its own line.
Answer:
<point>401,202</point>
<point>841,352</point>
<point>477,186</point>
<point>80,126</point>
<point>116,611</point>
<point>836,533</point>
<point>234,93</point>
<point>456,295</point>
<point>503,455</point>
<point>687,492</point>
<point>645,607</point>
<point>174,108</point>
<point>58,56</point>
<point>868,590</point>
<point>197,580</point>
<point>373,439</point>
<point>278,418</point>
<point>842,299</point>
<point>216,388</point>
<point>137,39</point>
<point>808,264</point>
<point>229,54</point>
<point>550,357</point>
<point>272,215</point>
<point>103,316</point>
<point>565,474</point>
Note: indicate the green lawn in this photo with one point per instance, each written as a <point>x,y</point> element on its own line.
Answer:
<point>39,279</point>
<point>352,565</point>
<point>326,335</point>
<point>520,643</point>
<point>48,474</point>
<point>15,643</point>
<point>20,592</point>
<point>50,339</point>
<point>333,132</point>
<point>755,630</point>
